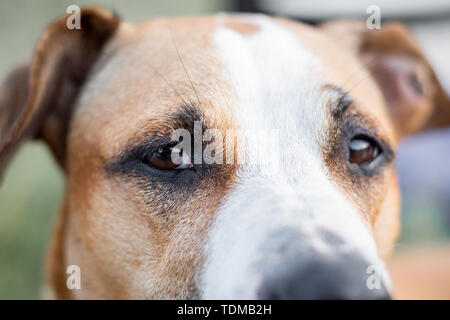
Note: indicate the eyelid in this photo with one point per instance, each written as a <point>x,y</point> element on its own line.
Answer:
<point>341,101</point>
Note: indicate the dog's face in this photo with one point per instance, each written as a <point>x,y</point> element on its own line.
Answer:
<point>307,207</point>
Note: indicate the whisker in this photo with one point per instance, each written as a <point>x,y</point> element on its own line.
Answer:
<point>168,83</point>
<point>367,76</point>
<point>184,67</point>
<point>362,68</point>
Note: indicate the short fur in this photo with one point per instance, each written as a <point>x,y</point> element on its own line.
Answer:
<point>96,93</point>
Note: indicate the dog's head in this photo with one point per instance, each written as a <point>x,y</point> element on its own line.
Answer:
<point>305,206</point>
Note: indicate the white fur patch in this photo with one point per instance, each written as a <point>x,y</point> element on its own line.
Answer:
<point>276,81</point>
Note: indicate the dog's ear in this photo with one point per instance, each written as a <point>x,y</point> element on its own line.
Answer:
<point>413,94</point>
<point>36,99</point>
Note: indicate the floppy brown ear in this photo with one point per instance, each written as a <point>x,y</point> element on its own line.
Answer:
<point>37,99</point>
<point>413,94</point>
<point>13,98</point>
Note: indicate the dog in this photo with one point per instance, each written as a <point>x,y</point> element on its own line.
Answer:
<point>317,223</point>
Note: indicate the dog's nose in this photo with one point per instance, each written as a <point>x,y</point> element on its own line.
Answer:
<point>329,277</point>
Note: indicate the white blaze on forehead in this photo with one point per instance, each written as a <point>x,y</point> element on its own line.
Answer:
<point>276,82</point>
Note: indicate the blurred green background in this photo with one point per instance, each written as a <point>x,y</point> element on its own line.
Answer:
<point>33,185</point>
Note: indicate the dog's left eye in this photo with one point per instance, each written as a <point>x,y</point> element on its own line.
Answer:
<point>168,158</point>
<point>363,150</point>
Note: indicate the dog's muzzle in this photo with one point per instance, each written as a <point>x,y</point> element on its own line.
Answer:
<point>271,241</point>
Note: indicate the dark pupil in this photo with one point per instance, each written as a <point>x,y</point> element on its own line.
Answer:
<point>161,159</point>
<point>164,153</point>
<point>361,151</point>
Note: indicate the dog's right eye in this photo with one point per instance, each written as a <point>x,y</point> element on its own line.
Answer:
<point>363,150</point>
<point>168,158</point>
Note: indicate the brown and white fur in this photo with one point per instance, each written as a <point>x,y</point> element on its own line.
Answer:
<point>97,94</point>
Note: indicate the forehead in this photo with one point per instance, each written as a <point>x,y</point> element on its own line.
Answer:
<point>242,71</point>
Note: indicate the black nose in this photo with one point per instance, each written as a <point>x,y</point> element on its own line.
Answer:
<point>321,276</point>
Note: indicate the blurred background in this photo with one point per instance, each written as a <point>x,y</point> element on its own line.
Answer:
<point>33,185</point>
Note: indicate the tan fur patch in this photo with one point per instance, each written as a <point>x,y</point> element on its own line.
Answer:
<point>243,27</point>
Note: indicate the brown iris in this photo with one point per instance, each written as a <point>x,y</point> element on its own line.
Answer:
<point>362,150</point>
<point>161,159</point>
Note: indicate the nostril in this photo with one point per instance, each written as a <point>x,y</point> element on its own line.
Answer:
<point>265,293</point>
<point>278,289</point>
